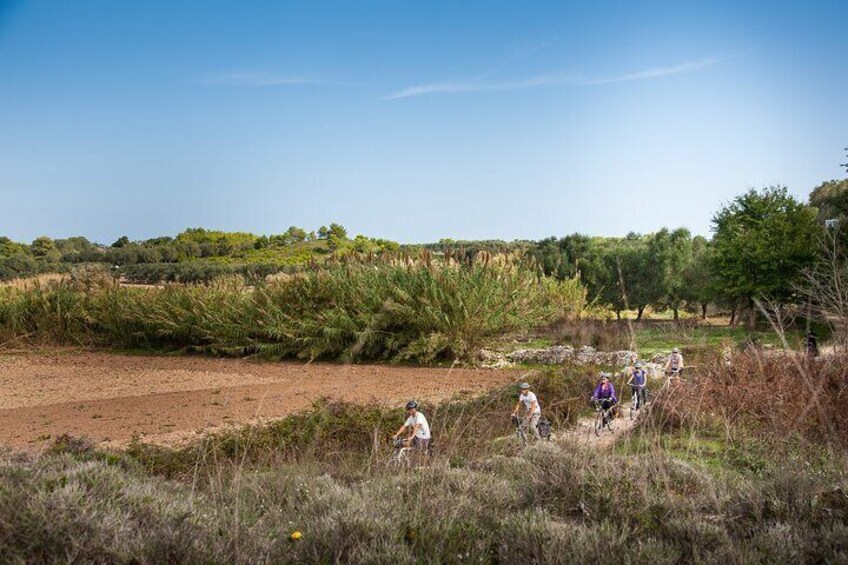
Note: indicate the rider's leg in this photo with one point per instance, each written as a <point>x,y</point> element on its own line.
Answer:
<point>422,447</point>
<point>534,424</point>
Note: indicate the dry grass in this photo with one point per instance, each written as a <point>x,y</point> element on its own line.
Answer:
<point>777,394</point>
<point>538,505</point>
<point>710,477</point>
<point>29,283</point>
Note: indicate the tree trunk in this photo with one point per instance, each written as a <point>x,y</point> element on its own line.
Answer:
<point>676,314</point>
<point>639,312</point>
<point>704,310</point>
<point>752,315</point>
<point>733,315</point>
<point>618,314</point>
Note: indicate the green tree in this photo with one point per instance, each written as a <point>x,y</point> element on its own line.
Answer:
<point>763,241</point>
<point>295,234</point>
<point>670,254</point>
<point>42,246</point>
<point>830,198</point>
<point>8,248</point>
<point>697,282</point>
<point>336,236</point>
<point>632,272</point>
<point>122,241</point>
<point>76,244</point>
<point>261,242</point>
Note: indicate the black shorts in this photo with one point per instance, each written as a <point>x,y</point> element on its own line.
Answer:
<point>421,443</point>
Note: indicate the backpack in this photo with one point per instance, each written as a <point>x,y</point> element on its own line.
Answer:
<point>544,428</point>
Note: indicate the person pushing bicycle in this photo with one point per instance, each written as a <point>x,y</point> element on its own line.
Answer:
<point>532,409</point>
<point>419,429</point>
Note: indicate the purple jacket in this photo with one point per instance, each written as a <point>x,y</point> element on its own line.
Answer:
<point>609,393</point>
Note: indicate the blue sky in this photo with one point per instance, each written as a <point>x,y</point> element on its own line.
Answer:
<point>411,121</point>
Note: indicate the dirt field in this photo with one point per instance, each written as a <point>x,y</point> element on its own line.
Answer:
<point>109,398</point>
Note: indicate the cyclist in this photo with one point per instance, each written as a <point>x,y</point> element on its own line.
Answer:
<point>605,393</point>
<point>811,344</point>
<point>419,429</point>
<point>631,364</point>
<point>532,409</point>
<point>674,366</point>
<point>638,381</point>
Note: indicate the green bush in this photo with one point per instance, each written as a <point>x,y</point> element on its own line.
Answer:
<point>420,312</point>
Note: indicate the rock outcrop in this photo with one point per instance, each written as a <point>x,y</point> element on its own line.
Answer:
<point>566,354</point>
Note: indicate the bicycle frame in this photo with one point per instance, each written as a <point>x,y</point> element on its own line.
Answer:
<point>605,415</point>
<point>637,399</point>
<point>400,457</point>
<point>520,429</point>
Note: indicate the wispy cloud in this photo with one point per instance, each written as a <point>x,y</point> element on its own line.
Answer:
<point>545,80</point>
<point>257,79</point>
<point>657,72</point>
<point>478,86</point>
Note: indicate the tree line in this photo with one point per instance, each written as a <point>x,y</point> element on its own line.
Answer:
<point>194,245</point>
<point>763,243</point>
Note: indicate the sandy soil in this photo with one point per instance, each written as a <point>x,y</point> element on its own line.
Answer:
<point>583,433</point>
<point>109,398</point>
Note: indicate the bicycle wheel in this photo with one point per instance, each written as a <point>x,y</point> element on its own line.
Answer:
<point>599,422</point>
<point>634,406</point>
<point>522,436</point>
<point>610,420</point>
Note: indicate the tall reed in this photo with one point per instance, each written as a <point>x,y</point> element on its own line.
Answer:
<point>415,309</point>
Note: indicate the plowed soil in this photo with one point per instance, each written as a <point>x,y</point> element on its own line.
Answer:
<point>109,398</point>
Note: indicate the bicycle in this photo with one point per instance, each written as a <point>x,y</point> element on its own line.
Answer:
<point>637,400</point>
<point>520,429</point>
<point>675,375</point>
<point>604,416</point>
<point>401,456</point>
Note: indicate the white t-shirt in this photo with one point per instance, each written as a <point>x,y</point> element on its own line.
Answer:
<point>528,400</point>
<point>676,360</point>
<point>424,428</point>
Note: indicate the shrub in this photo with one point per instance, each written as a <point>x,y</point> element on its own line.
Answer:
<point>358,311</point>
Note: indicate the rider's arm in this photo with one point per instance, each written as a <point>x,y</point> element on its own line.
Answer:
<point>517,408</point>
<point>681,362</point>
<point>532,409</point>
<point>414,430</point>
<point>400,431</point>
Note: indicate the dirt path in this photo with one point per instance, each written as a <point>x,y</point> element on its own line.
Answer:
<point>583,432</point>
<point>110,398</point>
